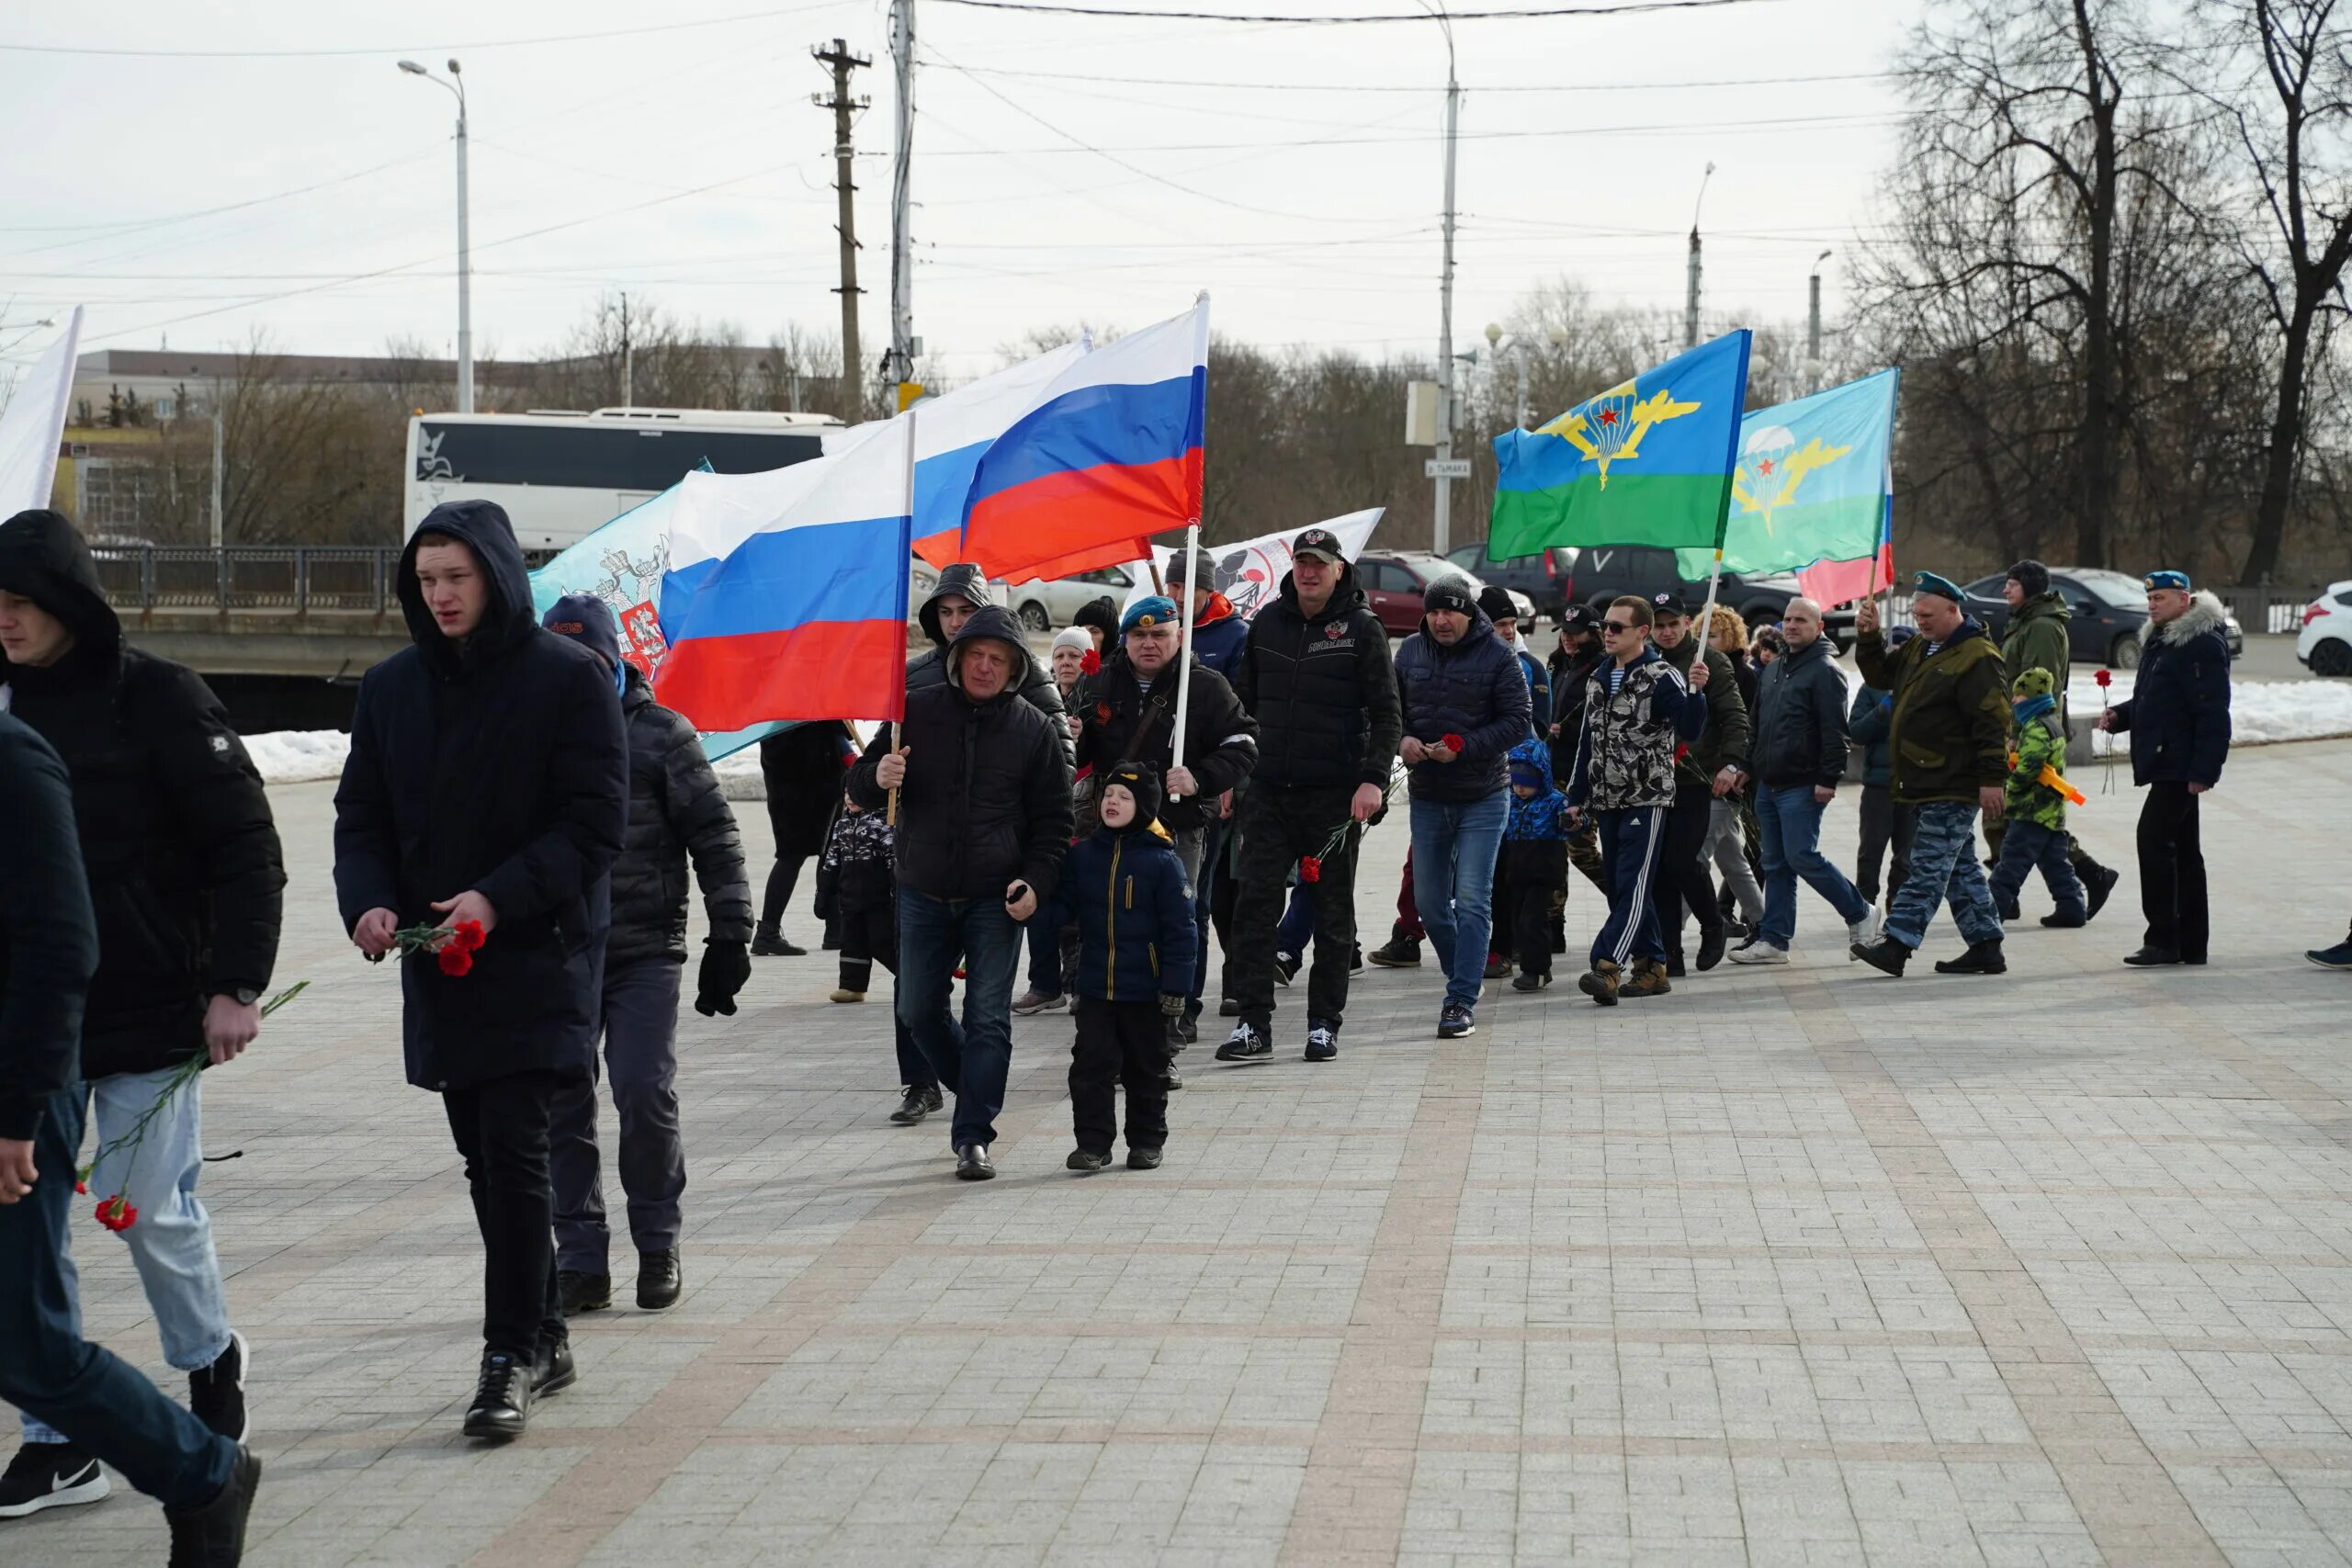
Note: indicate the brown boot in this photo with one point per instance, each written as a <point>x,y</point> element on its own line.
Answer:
<point>1649,980</point>
<point>1601,984</point>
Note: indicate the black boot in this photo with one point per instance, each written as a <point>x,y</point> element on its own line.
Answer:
<point>769,942</point>
<point>501,1407</point>
<point>578,1292</point>
<point>2098,881</point>
<point>1982,958</point>
<point>1886,954</point>
<point>661,1277</point>
<point>1402,952</point>
<point>214,1535</point>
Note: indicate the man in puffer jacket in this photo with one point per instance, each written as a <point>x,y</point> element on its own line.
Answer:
<point>675,810</point>
<point>2178,718</point>
<point>963,589</point>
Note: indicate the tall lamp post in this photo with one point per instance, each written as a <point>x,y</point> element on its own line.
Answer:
<point>456,83</point>
<point>1812,322</point>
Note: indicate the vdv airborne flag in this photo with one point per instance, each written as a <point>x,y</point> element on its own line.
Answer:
<point>1811,482</point>
<point>1648,462</point>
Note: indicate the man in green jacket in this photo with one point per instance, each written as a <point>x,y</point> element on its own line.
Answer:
<point>2038,639</point>
<point>1950,741</point>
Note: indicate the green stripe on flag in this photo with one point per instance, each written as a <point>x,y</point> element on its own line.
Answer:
<point>1668,511</point>
<point>1845,529</point>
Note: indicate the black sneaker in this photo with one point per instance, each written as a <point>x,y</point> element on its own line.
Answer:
<point>1248,1042</point>
<point>921,1101</point>
<point>50,1475</point>
<point>1322,1041</point>
<point>1285,966</point>
<point>214,1535</point>
<point>1455,1021</point>
<point>2153,957</point>
<point>2065,919</point>
<point>1143,1160</point>
<point>502,1406</point>
<point>1886,954</point>
<point>774,944</point>
<point>2099,884</point>
<point>1525,982</point>
<point>1086,1161</point>
<point>577,1292</point>
<point>972,1164</point>
<point>1400,953</point>
<point>660,1278</point>
<point>554,1371</point>
<point>1982,958</point>
<point>217,1394</point>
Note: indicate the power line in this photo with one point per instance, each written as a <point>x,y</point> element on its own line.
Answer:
<point>1423,88</point>
<point>472,46</point>
<point>1859,118</point>
<point>1629,7</point>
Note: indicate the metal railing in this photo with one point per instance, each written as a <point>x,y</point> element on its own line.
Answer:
<point>303,580</point>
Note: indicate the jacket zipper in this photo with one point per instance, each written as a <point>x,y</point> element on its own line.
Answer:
<point>1110,959</point>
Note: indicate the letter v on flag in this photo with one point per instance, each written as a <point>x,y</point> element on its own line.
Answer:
<point>1647,462</point>
<point>786,593</point>
<point>1111,455</point>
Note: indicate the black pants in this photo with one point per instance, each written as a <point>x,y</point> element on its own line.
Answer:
<point>1118,1043</point>
<point>2172,871</point>
<point>1529,875</point>
<point>1682,876</point>
<point>640,1023</point>
<point>500,1128</point>
<point>870,936</point>
<point>1885,821</point>
<point>783,877</point>
<point>1277,825</point>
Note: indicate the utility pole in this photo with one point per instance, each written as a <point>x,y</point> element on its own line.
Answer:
<point>220,523</point>
<point>1441,532</point>
<point>1812,325</point>
<point>844,185</point>
<point>629,361</point>
<point>1690,302</point>
<point>903,344</point>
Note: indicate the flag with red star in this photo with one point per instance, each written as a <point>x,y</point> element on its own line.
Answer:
<point>1647,462</point>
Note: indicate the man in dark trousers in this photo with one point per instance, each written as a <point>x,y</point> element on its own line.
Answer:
<point>1319,680</point>
<point>102,1406</point>
<point>1705,768</point>
<point>675,810</point>
<point>488,783</point>
<point>2178,718</point>
<point>984,823</point>
<point>187,880</point>
<point>1133,718</point>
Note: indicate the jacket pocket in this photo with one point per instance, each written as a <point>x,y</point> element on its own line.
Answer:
<point>1926,757</point>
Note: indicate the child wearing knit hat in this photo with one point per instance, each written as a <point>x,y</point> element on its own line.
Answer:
<point>2038,792</point>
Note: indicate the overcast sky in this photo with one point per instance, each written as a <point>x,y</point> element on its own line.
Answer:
<point>1066,167</point>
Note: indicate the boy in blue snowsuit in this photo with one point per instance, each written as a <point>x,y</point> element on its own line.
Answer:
<point>1136,946</point>
<point>1535,860</point>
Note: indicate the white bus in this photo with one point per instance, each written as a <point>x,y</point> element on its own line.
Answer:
<point>561,475</point>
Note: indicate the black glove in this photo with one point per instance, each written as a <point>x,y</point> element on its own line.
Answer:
<point>1172,1006</point>
<point>725,966</point>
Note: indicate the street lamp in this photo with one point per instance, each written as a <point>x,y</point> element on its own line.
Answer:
<point>1813,327</point>
<point>1519,358</point>
<point>456,87</point>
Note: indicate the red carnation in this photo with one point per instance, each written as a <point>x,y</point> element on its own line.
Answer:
<point>116,1215</point>
<point>454,959</point>
<point>2105,679</point>
<point>468,936</point>
<point>1090,662</point>
<point>83,1187</point>
<point>1452,743</point>
<point>1310,869</point>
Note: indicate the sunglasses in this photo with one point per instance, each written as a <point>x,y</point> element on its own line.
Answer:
<point>1608,626</point>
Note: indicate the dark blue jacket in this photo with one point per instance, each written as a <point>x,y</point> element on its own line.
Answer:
<point>49,940</point>
<point>1473,689</point>
<point>1869,725</point>
<point>501,766</point>
<point>1538,695</point>
<point>1125,889</point>
<point>1536,818</point>
<point>2179,712</point>
<point>1221,640</point>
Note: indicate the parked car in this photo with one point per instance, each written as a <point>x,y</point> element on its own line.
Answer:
<point>1393,581</point>
<point>1595,574</point>
<point>1541,577</point>
<point>1043,605</point>
<point>2326,645</point>
<point>2110,613</point>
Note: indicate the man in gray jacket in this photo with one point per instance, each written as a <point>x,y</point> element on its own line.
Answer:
<point>675,810</point>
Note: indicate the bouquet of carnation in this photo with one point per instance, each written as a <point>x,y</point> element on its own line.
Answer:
<point>453,947</point>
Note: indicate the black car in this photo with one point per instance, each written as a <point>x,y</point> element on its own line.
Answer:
<point>1537,576</point>
<point>1595,574</point>
<point>2110,613</point>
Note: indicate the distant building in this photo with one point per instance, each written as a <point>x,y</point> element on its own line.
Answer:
<point>128,387</point>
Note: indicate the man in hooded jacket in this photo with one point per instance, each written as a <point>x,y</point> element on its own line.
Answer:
<point>963,589</point>
<point>488,783</point>
<point>187,881</point>
<point>984,823</point>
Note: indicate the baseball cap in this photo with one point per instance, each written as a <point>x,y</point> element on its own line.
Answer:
<point>1320,543</point>
<point>1669,604</point>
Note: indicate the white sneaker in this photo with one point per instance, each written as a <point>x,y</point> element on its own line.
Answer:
<point>1865,930</point>
<point>1760,951</point>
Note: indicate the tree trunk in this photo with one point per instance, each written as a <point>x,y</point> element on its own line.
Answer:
<point>2099,424</point>
<point>2285,446</point>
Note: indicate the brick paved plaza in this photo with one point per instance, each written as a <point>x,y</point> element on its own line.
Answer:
<point>1797,1267</point>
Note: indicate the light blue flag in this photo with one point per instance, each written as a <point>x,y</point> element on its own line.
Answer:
<point>1811,482</point>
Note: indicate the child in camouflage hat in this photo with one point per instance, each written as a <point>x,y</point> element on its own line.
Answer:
<point>2038,792</point>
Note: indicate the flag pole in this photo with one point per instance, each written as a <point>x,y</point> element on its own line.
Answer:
<point>906,536</point>
<point>1184,640</point>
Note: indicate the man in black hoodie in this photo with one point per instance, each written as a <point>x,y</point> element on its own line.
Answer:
<point>1317,676</point>
<point>488,782</point>
<point>962,589</point>
<point>187,882</point>
<point>984,823</point>
<point>49,948</point>
<point>675,810</point>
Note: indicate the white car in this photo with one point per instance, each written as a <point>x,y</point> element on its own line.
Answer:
<point>1042,606</point>
<point>2326,645</point>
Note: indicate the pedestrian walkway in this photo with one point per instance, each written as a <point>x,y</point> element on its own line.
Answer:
<point>1798,1266</point>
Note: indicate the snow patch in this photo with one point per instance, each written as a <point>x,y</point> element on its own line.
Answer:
<point>297,756</point>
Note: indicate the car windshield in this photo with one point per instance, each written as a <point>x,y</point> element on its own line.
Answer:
<point>2113,587</point>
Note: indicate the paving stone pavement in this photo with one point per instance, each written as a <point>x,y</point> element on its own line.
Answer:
<point>1797,1266</point>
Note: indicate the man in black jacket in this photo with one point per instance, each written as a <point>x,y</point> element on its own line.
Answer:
<point>1319,680</point>
<point>1795,760</point>
<point>1703,770</point>
<point>962,589</point>
<point>104,1409</point>
<point>1133,718</point>
<point>675,810</point>
<point>187,882</point>
<point>984,824</point>
<point>488,782</point>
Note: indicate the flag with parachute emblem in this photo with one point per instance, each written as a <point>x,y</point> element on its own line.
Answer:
<point>1647,462</point>
<point>1811,482</point>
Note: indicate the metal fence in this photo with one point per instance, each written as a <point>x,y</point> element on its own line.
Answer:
<point>306,579</point>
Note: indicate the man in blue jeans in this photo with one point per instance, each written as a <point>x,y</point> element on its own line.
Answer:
<point>1796,758</point>
<point>1466,705</point>
<point>49,949</point>
<point>984,824</point>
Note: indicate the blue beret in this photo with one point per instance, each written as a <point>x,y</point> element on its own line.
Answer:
<point>2167,580</point>
<point>1152,609</point>
<point>1929,582</point>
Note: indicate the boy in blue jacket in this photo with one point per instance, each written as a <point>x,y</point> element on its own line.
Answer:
<point>1137,946</point>
<point>1535,860</point>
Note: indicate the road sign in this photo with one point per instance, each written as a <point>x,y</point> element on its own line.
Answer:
<point>1445,469</point>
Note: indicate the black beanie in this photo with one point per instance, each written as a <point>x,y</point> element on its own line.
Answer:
<point>2032,576</point>
<point>1139,780</point>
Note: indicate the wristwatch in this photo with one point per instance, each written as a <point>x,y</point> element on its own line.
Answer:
<point>246,996</point>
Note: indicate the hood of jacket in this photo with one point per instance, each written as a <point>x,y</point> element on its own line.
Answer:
<point>2204,615</point>
<point>1218,609</point>
<point>2042,607</point>
<point>1346,596</point>
<point>996,622</point>
<point>961,578</point>
<point>507,618</point>
<point>45,558</point>
<point>637,692</point>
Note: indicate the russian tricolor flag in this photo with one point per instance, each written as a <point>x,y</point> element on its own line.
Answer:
<point>786,593</point>
<point>1110,455</point>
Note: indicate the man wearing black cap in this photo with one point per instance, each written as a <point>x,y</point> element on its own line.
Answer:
<point>1948,739</point>
<point>1319,680</point>
<point>2037,639</point>
<point>675,810</point>
<point>1706,768</point>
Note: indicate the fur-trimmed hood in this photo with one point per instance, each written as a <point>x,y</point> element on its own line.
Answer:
<point>2204,615</point>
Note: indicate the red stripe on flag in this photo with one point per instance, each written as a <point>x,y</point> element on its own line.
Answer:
<point>822,669</point>
<point>1070,515</point>
<point>1832,582</point>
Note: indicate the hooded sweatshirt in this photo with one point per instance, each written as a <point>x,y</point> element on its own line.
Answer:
<point>929,668</point>
<point>185,871</point>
